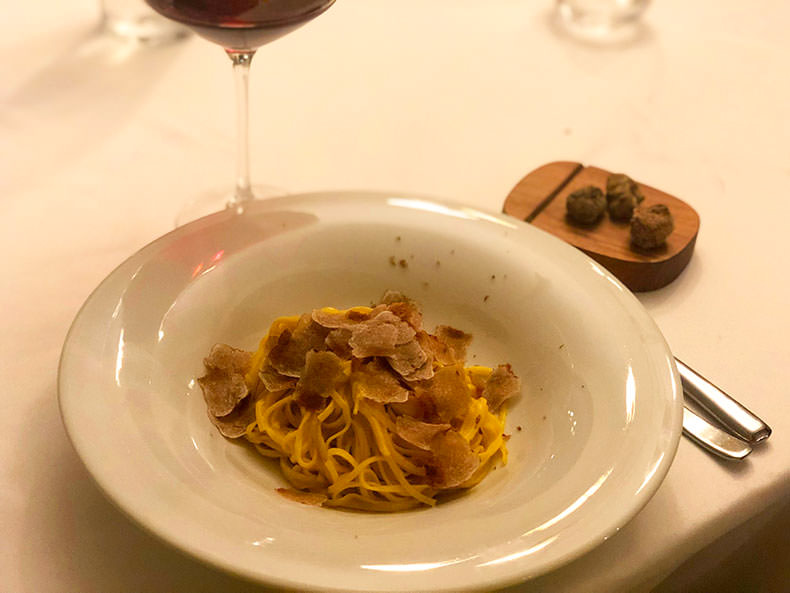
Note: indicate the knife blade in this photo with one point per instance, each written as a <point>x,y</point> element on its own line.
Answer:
<point>712,438</point>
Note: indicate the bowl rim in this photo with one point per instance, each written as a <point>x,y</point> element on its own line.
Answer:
<point>105,485</point>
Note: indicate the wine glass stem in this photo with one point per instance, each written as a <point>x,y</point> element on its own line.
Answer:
<point>241,71</point>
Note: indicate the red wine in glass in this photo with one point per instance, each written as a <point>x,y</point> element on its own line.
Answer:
<point>240,27</point>
<point>241,24</point>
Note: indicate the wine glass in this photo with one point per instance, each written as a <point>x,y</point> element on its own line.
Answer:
<point>240,27</point>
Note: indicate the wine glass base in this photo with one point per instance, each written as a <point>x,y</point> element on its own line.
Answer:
<point>601,22</point>
<point>209,203</point>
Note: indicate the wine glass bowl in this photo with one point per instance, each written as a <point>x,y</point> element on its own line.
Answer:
<point>240,27</point>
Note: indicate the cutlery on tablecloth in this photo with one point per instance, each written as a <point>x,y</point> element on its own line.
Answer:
<point>734,416</point>
<point>713,438</point>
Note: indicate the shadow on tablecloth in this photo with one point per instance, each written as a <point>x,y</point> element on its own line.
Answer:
<point>753,558</point>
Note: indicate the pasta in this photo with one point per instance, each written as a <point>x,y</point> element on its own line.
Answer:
<point>363,409</point>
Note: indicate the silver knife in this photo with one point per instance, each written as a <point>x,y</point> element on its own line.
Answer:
<point>712,438</point>
<point>721,406</point>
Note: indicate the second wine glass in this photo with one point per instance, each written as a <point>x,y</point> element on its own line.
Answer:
<point>240,27</point>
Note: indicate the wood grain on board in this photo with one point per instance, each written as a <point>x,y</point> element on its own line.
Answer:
<point>539,198</point>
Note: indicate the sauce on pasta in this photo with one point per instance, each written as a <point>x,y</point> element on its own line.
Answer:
<point>362,408</point>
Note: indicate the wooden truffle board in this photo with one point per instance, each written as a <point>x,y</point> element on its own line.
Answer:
<point>540,197</point>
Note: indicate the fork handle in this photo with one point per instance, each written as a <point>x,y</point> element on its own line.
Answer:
<point>721,406</point>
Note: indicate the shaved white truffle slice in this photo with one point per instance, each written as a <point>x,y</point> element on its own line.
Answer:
<point>418,433</point>
<point>333,319</point>
<point>435,349</point>
<point>373,340</point>
<point>411,362</point>
<point>287,357</point>
<point>337,319</point>
<point>274,381</point>
<point>407,311</point>
<point>456,340</point>
<point>379,336</point>
<point>448,392</point>
<point>502,384</point>
<point>454,462</point>
<point>235,424</point>
<point>322,372</point>
<point>223,384</point>
<point>337,342</point>
<point>227,358</point>
<point>374,380</point>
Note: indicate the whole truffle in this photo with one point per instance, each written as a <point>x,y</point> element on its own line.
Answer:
<point>586,205</point>
<point>651,225</point>
<point>622,196</point>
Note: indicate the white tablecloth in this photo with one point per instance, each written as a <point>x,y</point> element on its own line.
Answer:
<point>101,143</point>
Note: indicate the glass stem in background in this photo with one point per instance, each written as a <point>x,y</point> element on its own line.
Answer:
<point>241,72</point>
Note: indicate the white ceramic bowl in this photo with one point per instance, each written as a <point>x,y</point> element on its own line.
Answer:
<point>593,433</point>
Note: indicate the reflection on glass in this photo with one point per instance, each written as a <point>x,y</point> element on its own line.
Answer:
<point>240,27</point>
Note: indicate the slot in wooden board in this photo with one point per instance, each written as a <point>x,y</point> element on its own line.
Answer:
<point>539,198</point>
